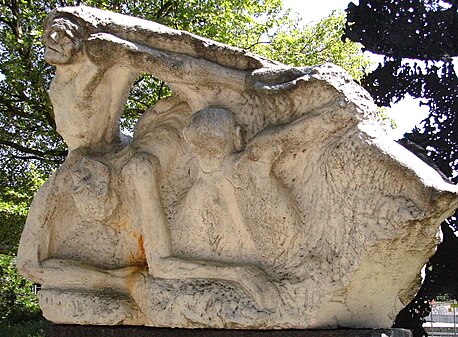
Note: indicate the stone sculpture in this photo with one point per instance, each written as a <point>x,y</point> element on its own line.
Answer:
<point>256,196</point>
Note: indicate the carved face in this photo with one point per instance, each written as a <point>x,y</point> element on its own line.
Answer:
<point>92,194</point>
<point>211,133</point>
<point>63,42</point>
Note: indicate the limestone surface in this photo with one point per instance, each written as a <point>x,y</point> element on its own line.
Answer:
<point>257,196</point>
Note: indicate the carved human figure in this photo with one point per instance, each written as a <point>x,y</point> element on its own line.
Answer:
<point>222,229</point>
<point>80,256</point>
<point>209,224</point>
<point>88,93</point>
<point>88,96</point>
<point>86,245</point>
<point>163,262</point>
<point>237,209</point>
<point>295,229</point>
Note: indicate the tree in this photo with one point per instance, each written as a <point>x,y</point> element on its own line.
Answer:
<point>14,206</point>
<point>299,45</point>
<point>17,300</point>
<point>426,33</point>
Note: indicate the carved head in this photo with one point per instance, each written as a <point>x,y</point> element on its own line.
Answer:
<point>212,133</point>
<point>92,192</point>
<point>63,40</point>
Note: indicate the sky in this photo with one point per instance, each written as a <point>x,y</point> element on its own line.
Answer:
<point>407,113</point>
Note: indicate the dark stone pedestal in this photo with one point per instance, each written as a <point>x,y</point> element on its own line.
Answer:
<point>124,331</point>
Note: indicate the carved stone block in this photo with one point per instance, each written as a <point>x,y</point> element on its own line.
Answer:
<point>257,196</point>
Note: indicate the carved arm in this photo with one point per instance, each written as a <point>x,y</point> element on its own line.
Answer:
<point>33,255</point>
<point>173,68</point>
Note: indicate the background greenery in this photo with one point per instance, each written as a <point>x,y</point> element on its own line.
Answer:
<point>20,315</point>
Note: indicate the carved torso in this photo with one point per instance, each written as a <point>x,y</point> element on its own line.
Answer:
<point>209,224</point>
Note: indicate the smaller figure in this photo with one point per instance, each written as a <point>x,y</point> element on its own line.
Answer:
<point>206,262</point>
<point>237,210</point>
<point>209,223</point>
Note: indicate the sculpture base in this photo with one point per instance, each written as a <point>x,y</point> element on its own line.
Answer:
<point>125,331</point>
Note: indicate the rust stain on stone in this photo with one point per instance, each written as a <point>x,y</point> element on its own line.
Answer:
<point>141,249</point>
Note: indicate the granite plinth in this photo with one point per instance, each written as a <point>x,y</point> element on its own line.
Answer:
<point>123,331</point>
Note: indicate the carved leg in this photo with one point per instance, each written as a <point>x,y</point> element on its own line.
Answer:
<point>89,307</point>
<point>196,303</point>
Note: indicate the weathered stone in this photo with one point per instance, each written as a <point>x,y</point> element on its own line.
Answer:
<point>258,196</point>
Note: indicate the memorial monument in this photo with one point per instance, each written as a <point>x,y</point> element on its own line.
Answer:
<point>257,196</point>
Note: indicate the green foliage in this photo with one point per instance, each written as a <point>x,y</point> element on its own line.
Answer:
<point>17,300</point>
<point>35,328</point>
<point>385,119</point>
<point>14,205</point>
<point>314,44</point>
<point>27,126</point>
<point>444,298</point>
<point>235,22</point>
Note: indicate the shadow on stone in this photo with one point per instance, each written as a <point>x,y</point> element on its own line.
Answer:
<point>123,331</point>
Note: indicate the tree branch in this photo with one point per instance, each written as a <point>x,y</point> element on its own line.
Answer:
<point>19,95</point>
<point>49,160</point>
<point>256,43</point>
<point>164,10</point>
<point>8,23</point>
<point>159,96</point>
<point>43,155</point>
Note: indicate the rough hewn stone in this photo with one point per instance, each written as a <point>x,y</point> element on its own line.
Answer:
<point>257,196</point>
